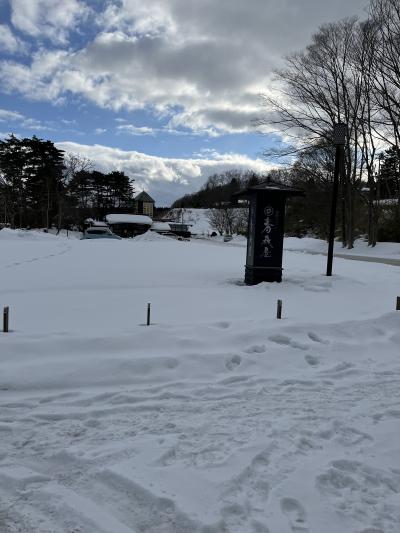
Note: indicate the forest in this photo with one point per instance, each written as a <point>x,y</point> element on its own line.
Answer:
<point>41,186</point>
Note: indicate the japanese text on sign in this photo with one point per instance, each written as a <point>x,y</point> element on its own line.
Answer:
<point>266,231</point>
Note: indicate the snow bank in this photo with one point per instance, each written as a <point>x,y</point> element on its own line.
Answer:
<point>7,234</point>
<point>151,236</point>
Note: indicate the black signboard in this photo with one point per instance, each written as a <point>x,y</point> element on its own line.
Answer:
<point>266,227</point>
<point>265,245</point>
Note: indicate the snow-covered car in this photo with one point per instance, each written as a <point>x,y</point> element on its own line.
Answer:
<point>99,233</point>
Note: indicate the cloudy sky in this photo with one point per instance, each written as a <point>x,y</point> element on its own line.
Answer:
<point>166,90</point>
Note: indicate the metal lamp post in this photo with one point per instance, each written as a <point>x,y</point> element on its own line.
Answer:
<point>339,140</point>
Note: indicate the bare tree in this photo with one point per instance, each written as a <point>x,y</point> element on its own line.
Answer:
<point>216,219</point>
<point>223,219</point>
<point>229,220</point>
<point>73,164</point>
<point>241,220</point>
<point>385,16</point>
<point>320,86</point>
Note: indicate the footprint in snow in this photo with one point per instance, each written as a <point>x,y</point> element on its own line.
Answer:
<point>280,339</point>
<point>222,325</point>
<point>312,360</point>
<point>256,348</point>
<point>316,338</point>
<point>233,362</point>
<point>316,288</point>
<point>296,515</point>
<point>287,341</point>
<point>258,527</point>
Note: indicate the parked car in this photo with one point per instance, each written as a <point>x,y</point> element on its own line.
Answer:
<point>227,238</point>
<point>99,233</point>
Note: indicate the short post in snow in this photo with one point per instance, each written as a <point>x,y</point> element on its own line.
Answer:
<point>398,303</point>
<point>148,314</point>
<point>6,314</point>
<point>279,309</point>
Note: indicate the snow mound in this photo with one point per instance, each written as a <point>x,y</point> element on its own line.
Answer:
<point>7,234</point>
<point>151,236</point>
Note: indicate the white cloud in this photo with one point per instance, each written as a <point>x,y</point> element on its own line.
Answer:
<point>236,116</point>
<point>24,122</point>
<point>52,19</point>
<point>10,42</point>
<point>135,130</point>
<point>201,64</point>
<point>36,125</point>
<point>5,114</point>
<point>166,179</point>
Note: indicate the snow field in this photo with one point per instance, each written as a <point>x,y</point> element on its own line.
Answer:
<point>216,419</point>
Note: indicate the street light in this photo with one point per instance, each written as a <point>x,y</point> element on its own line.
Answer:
<point>339,134</point>
<point>339,140</point>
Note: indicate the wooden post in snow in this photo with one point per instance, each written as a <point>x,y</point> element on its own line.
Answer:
<point>398,303</point>
<point>148,314</point>
<point>6,313</point>
<point>279,309</point>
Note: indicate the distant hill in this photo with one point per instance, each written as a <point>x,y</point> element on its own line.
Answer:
<point>218,190</point>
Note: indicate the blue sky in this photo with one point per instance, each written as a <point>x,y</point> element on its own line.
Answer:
<point>166,90</point>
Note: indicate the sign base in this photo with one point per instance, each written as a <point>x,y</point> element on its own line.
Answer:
<point>255,275</point>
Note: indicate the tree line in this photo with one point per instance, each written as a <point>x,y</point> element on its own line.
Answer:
<point>218,189</point>
<point>312,172</point>
<point>42,186</point>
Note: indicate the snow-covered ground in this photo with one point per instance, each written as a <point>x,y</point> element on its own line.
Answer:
<point>217,418</point>
<point>389,250</point>
<point>200,226</point>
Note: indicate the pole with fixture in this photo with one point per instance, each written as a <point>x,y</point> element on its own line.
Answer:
<point>339,140</point>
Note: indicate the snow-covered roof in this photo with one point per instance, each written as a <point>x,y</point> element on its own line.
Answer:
<point>160,226</point>
<point>121,218</point>
<point>98,223</point>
